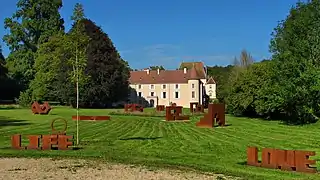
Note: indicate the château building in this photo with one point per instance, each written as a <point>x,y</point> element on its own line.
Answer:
<point>187,84</point>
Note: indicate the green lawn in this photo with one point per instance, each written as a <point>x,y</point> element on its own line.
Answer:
<point>153,142</point>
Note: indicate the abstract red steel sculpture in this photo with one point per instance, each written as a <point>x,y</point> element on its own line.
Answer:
<point>160,107</point>
<point>176,114</point>
<point>289,160</point>
<point>216,113</point>
<point>195,107</point>
<point>40,109</point>
<point>133,107</point>
<point>92,118</point>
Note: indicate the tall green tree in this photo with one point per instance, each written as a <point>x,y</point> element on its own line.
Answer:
<point>31,25</point>
<point>296,50</point>
<point>59,62</point>
<point>3,69</point>
<point>108,72</point>
<point>78,42</point>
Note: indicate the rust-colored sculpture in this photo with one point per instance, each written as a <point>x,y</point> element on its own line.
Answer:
<point>216,113</point>
<point>54,131</point>
<point>92,118</point>
<point>195,107</point>
<point>61,142</point>
<point>40,109</point>
<point>176,114</point>
<point>160,107</point>
<point>57,140</point>
<point>133,107</point>
<point>289,160</point>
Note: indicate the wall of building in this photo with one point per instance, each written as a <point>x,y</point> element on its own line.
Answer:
<point>184,92</point>
<point>211,90</point>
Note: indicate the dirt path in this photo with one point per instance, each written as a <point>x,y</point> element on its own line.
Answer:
<point>45,169</point>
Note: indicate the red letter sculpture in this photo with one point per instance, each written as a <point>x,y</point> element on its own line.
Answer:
<point>289,160</point>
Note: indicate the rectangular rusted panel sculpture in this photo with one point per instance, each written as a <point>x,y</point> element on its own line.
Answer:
<point>92,118</point>
<point>216,113</point>
<point>195,107</point>
<point>64,142</point>
<point>40,109</point>
<point>34,142</point>
<point>175,113</point>
<point>160,107</point>
<point>133,107</point>
<point>16,141</point>
<point>48,142</point>
<point>289,160</point>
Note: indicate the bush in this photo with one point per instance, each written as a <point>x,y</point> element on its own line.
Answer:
<point>25,99</point>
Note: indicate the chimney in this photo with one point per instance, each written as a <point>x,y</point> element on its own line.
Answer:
<point>158,71</point>
<point>185,70</point>
<point>148,71</point>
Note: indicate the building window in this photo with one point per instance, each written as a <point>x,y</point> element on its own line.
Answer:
<point>210,87</point>
<point>151,86</point>
<point>176,95</point>
<point>140,94</point>
<point>139,86</point>
<point>164,86</point>
<point>192,85</point>
<point>177,86</point>
<point>164,95</point>
<point>151,93</point>
<point>193,94</point>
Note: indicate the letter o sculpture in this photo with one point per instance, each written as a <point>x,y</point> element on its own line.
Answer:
<point>54,131</point>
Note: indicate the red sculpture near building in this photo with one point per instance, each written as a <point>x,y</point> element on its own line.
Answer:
<point>175,113</point>
<point>216,114</point>
<point>133,107</point>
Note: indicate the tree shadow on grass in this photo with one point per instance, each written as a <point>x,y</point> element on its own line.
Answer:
<point>5,121</point>
<point>140,138</point>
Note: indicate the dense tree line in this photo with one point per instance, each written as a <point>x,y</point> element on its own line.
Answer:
<point>286,87</point>
<point>46,63</point>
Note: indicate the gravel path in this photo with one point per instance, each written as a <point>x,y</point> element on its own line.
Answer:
<point>46,168</point>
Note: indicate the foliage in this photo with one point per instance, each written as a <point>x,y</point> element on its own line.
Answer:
<point>60,63</point>
<point>287,87</point>
<point>156,68</point>
<point>25,98</point>
<point>108,71</point>
<point>3,69</point>
<point>32,24</point>
<point>220,74</point>
<point>50,58</point>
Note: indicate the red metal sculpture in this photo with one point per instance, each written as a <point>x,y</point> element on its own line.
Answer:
<point>133,107</point>
<point>160,107</point>
<point>40,109</point>
<point>175,113</point>
<point>216,113</point>
<point>92,118</point>
<point>195,107</point>
<point>61,142</point>
<point>57,140</point>
<point>289,160</point>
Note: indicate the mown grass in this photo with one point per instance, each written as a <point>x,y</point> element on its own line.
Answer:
<point>153,142</point>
